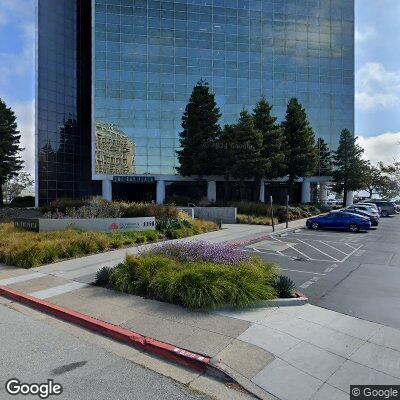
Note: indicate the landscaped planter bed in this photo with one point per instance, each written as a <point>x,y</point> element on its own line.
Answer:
<point>27,249</point>
<point>196,275</point>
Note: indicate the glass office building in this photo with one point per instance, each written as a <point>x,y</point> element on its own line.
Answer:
<point>146,56</point>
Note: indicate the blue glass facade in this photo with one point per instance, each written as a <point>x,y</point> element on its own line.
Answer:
<point>148,54</point>
<point>114,77</point>
<point>62,107</point>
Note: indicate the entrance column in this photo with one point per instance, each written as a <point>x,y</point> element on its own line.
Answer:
<point>160,192</point>
<point>323,193</point>
<point>305,191</point>
<point>107,190</point>
<point>212,191</point>
<point>349,198</point>
<point>262,191</point>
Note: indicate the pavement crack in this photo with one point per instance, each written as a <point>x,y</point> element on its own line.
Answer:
<point>339,282</point>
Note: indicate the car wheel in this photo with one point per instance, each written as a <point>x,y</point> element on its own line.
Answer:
<point>315,226</point>
<point>354,228</point>
<point>384,213</point>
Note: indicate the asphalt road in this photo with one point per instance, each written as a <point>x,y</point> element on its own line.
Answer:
<point>34,352</point>
<point>356,274</point>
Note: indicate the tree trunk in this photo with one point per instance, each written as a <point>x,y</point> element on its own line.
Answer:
<point>1,195</point>
<point>290,188</point>
<point>344,196</point>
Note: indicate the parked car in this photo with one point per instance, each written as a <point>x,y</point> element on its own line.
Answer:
<point>339,220</point>
<point>373,205</point>
<point>370,208</point>
<point>372,215</point>
<point>387,207</point>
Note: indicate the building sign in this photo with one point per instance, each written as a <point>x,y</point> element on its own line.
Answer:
<point>28,224</point>
<point>86,224</point>
<point>134,179</point>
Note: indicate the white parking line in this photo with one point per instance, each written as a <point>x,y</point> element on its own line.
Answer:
<point>303,272</point>
<point>292,247</point>
<point>332,247</point>
<point>344,259</point>
<point>349,246</point>
<point>316,248</point>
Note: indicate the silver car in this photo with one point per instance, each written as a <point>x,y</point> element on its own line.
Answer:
<point>387,207</point>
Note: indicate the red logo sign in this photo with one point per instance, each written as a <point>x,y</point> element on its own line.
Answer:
<point>114,227</point>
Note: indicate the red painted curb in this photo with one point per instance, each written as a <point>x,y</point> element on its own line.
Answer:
<point>198,362</point>
<point>300,295</point>
<point>251,241</point>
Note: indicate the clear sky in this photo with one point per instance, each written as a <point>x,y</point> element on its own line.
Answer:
<point>377,73</point>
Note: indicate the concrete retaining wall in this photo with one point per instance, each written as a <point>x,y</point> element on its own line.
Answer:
<point>226,215</point>
<point>188,210</point>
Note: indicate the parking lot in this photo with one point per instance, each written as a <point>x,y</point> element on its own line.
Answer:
<point>354,273</point>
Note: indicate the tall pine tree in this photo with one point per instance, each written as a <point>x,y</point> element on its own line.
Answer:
<point>349,167</point>
<point>300,143</point>
<point>10,161</point>
<point>324,158</point>
<point>273,149</point>
<point>198,139</point>
<point>246,152</point>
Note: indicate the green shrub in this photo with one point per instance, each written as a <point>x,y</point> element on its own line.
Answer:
<point>103,276</point>
<point>284,286</point>
<point>61,205</point>
<point>97,208</point>
<point>130,210</point>
<point>196,285</point>
<point>254,220</point>
<point>23,201</point>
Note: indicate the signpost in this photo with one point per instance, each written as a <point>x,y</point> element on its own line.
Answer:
<point>287,211</point>
<point>272,213</point>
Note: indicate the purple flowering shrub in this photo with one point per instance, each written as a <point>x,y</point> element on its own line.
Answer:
<point>201,251</point>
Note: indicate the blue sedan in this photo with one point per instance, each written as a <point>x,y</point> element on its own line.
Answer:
<point>339,220</point>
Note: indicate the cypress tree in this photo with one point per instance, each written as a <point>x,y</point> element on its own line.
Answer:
<point>273,141</point>
<point>198,139</point>
<point>10,161</point>
<point>246,152</point>
<point>349,167</point>
<point>300,143</point>
<point>324,158</point>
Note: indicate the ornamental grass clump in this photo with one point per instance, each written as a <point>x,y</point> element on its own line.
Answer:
<point>196,277</point>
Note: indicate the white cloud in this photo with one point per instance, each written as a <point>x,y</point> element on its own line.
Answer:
<point>384,147</point>
<point>377,87</point>
<point>364,35</point>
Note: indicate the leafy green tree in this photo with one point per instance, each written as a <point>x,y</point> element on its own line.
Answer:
<point>14,187</point>
<point>324,158</point>
<point>349,167</point>
<point>273,149</point>
<point>300,148</point>
<point>10,161</point>
<point>246,152</point>
<point>391,174</point>
<point>199,137</point>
